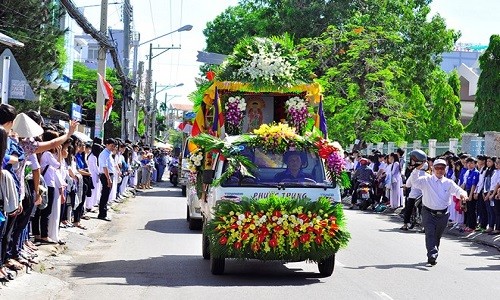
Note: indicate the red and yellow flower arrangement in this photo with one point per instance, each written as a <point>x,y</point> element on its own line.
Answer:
<point>277,228</point>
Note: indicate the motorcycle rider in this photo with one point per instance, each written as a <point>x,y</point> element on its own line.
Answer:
<point>362,174</point>
<point>173,167</point>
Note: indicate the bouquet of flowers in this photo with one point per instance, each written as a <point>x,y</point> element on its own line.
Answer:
<point>196,160</point>
<point>277,138</point>
<point>235,107</point>
<point>335,164</point>
<point>296,110</point>
<point>277,228</point>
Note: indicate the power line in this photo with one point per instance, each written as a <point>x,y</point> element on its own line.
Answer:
<point>152,20</point>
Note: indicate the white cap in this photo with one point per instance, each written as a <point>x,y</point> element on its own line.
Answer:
<point>440,162</point>
<point>25,127</point>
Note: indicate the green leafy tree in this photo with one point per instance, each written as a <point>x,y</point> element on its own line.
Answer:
<point>175,137</point>
<point>416,115</point>
<point>36,24</point>
<point>454,82</point>
<point>358,72</point>
<point>443,123</point>
<point>83,91</point>
<point>488,90</point>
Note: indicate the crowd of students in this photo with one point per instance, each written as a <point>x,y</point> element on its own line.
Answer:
<point>50,179</point>
<point>478,176</point>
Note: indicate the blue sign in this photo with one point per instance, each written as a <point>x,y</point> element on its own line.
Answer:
<point>76,112</point>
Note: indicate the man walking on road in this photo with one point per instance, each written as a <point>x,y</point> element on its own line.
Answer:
<point>437,191</point>
<point>105,176</point>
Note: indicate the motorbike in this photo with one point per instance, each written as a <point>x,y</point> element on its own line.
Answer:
<point>174,173</point>
<point>364,194</point>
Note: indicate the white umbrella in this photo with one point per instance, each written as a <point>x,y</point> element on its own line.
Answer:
<point>82,136</point>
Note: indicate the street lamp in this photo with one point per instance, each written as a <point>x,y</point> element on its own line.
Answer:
<point>149,79</point>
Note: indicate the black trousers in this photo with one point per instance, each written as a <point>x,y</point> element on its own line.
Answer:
<point>40,224</point>
<point>482,214</point>
<point>22,221</point>
<point>103,201</point>
<point>470,214</point>
<point>434,225</point>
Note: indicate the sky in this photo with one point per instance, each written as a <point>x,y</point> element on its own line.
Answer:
<point>477,20</point>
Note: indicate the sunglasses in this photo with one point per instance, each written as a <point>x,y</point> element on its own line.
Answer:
<point>439,168</point>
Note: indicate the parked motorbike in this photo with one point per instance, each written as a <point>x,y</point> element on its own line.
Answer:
<point>364,194</point>
<point>174,173</point>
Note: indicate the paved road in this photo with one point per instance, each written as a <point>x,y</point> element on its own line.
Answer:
<point>148,252</point>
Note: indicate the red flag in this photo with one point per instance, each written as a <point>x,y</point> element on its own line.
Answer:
<point>107,91</point>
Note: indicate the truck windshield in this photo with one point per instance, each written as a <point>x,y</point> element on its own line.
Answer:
<point>293,168</point>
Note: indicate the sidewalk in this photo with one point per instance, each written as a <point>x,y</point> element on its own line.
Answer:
<point>75,238</point>
<point>476,237</point>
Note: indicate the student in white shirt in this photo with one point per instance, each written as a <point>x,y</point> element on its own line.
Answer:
<point>494,194</point>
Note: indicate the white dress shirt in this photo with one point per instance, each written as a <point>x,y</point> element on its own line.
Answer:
<point>104,161</point>
<point>51,177</point>
<point>495,179</point>
<point>436,192</point>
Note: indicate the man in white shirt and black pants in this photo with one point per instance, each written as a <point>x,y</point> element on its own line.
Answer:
<point>437,192</point>
<point>106,170</point>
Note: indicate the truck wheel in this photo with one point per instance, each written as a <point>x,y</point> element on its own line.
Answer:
<point>326,266</point>
<point>217,265</point>
<point>205,246</point>
<point>183,191</point>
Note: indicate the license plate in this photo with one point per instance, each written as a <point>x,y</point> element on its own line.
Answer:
<point>365,196</point>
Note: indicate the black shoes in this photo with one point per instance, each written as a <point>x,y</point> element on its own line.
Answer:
<point>431,262</point>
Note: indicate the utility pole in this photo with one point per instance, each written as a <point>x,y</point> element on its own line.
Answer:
<point>149,79</point>
<point>101,69</point>
<point>153,117</point>
<point>127,10</point>
<point>137,101</point>
<point>133,107</point>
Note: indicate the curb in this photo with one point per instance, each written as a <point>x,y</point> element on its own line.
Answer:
<point>475,237</point>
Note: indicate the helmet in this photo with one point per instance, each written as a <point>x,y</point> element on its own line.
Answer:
<point>418,156</point>
<point>364,161</point>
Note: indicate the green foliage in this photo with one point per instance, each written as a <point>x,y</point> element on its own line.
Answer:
<point>175,137</point>
<point>273,18</point>
<point>488,90</point>
<point>36,24</point>
<point>141,126</point>
<point>359,71</point>
<point>442,121</point>
<point>454,82</point>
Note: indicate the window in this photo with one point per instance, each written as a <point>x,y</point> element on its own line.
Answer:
<point>93,54</point>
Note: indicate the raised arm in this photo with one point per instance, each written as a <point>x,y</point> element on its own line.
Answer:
<point>44,146</point>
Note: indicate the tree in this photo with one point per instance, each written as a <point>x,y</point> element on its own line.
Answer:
<point>83,91</point>
<point>488,96</point>
<point>36,24</point>
<point>261,18</point>
<point>443,123</point>
<point>359,74</point>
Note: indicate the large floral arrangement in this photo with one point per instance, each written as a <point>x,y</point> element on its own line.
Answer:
<point>296,110</point>
<point>277,138</point>
<point>277,228</point>
<point>332,152</point>
<point>265,62</point>
<point>235,108</point>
